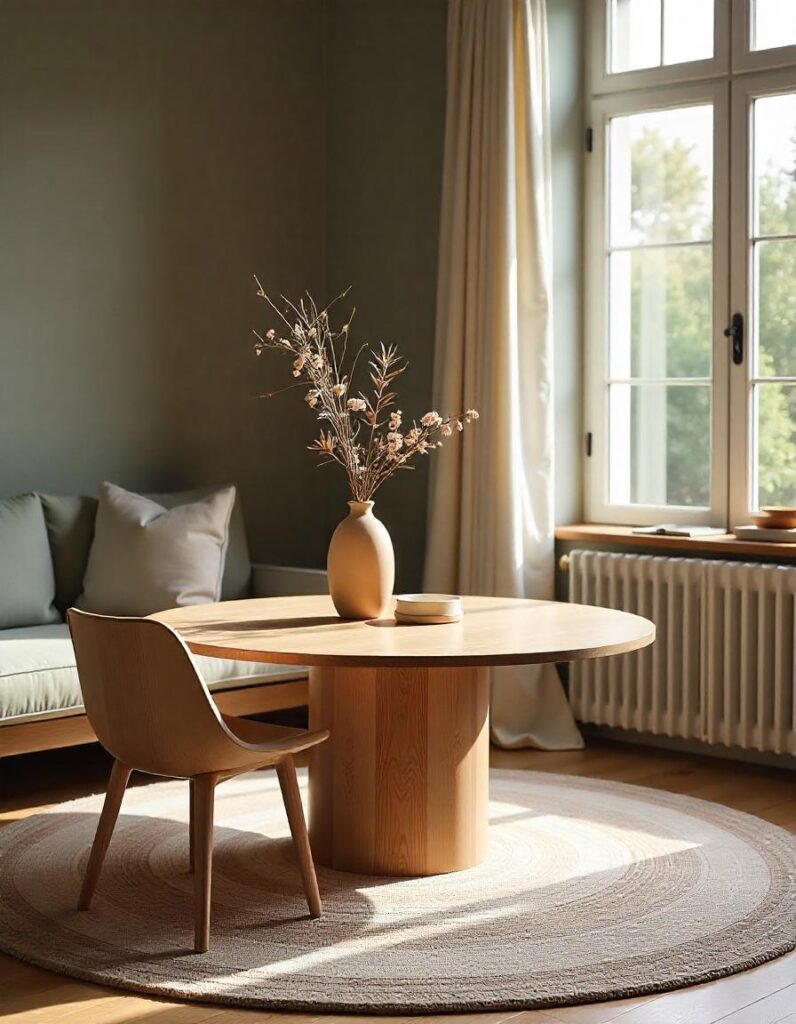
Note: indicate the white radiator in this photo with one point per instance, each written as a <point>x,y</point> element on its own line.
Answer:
<point>723,668</point>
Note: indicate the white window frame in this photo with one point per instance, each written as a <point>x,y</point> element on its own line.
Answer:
<point>599,55</point>
<point>598,506</point>
<point>745,90</point>
<point>730,81</point>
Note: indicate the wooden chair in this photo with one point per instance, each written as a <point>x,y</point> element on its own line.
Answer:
<point>153,713</point>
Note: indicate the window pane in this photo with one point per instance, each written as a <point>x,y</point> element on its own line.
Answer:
<point>775,275</point>
<point>661,312</point>
<point>775,164</point>
<point>661,181</point>
<point>687,30</point>
<point>776,444</point>
<point>639,28</point>
<point>635,34</point>
<point>659,444</point>
<point>773,23</point>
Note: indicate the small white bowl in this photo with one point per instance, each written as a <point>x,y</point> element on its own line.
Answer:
<point>420,605</point>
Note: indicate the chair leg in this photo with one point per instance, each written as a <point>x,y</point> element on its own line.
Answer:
<point>204,793</point>
<point>286,771</point>
<point>120,775</point>
<point>192,814</point>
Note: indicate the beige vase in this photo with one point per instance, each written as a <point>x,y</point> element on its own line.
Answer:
<point>361,564</point>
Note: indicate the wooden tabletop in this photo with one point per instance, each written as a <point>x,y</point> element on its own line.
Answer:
<point>493,631</point>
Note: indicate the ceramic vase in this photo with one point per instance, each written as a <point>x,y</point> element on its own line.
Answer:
<point>361,564</point>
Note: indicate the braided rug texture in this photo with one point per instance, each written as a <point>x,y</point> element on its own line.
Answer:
<point>591,890</point>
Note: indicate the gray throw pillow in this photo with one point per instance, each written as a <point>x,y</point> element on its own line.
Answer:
<point>236,583</point>
<point>145,558</point>
<point>27,581</point>
<point>70,528</point>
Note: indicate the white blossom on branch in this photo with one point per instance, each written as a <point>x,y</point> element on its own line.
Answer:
<point>362,433</point>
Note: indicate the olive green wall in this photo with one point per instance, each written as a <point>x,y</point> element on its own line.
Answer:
<point>566,39</point>
<point>149,164</point>
<point>153,155</point>
<point>386,123</point>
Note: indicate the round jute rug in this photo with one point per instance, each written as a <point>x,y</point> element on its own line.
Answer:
<point>592,890</point>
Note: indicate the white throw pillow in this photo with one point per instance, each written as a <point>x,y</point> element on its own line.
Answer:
<point>145,558</point>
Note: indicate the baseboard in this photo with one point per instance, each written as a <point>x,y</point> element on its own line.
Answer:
<point>648,739</point>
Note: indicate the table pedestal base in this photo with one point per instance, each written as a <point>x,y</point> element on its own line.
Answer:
<point>401,786</point>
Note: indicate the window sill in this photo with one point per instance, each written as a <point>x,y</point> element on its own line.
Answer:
<point>724,544</point>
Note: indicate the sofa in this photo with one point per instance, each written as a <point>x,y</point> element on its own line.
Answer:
<point>40,699</point>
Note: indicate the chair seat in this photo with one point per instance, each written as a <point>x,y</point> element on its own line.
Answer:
<point>251,731</point>
<point>263,744</point>
<point>38,675</point>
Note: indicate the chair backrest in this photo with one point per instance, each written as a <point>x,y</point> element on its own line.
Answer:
<point>143,696</point>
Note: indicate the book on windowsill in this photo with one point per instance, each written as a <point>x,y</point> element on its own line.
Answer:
<point>678,530</point>
<point>765,533</point>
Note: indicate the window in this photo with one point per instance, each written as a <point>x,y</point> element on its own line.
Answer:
<point>763,389</point>
<point>691,252</point>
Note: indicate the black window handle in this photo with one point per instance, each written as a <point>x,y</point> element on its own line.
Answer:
<point>735,331</point>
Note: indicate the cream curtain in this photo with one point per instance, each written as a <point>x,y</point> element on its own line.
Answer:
<point>491,506</point>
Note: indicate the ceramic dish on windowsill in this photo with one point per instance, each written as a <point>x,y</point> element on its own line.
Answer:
<point>776,517</point>
<point>774,523</point>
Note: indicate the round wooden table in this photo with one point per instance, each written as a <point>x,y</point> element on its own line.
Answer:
<point>401,786</point>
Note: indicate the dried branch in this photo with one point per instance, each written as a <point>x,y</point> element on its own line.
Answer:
<point>319,367</point>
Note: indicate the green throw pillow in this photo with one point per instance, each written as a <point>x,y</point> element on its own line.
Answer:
<point>70,528</point>
<point>27,581</point>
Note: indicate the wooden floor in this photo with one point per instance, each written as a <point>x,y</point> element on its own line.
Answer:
<point>766,995</point>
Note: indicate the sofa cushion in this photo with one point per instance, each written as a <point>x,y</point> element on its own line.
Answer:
<point>146,558</point>
<point>27,580</point>
<point>70,527</point>
<point>38,678</point>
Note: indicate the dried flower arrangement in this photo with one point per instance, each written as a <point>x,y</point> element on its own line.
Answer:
<point>361,430</point>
